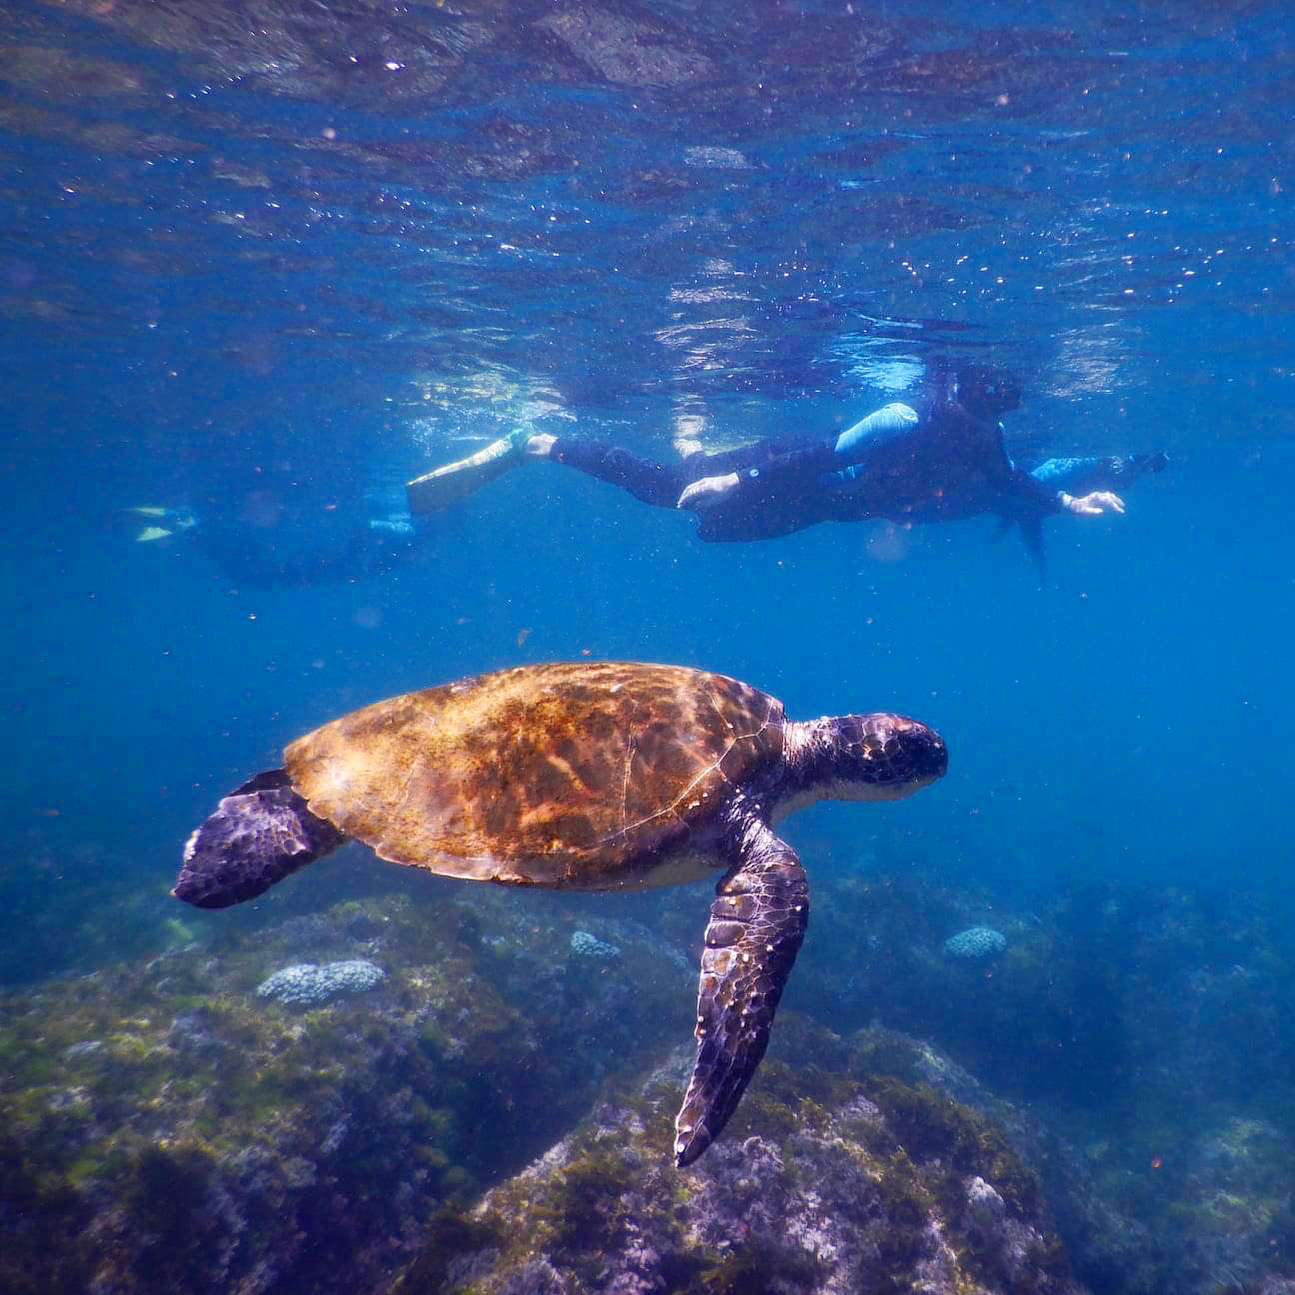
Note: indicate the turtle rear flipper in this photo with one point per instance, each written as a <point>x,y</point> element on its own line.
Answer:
<point>257,835</point>
<point>756,925</point>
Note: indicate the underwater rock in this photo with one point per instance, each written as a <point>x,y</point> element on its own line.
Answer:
<point>584,945</point>
<point>1232,1214</point>
<point>208,1143</point>
<point>812,1192</point>
<point>306,985</point>
<point>976,943</point>
<point>985,1207</point>
<point>192,1029</point>
<point>1109,1251</point>
<point>201,1141</point>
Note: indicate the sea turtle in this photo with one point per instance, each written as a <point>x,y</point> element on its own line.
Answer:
<point>588,776</point>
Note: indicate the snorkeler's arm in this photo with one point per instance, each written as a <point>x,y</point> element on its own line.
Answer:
<point>1082,474</point>
<point>840,460</point>
<point>1030,496</point>
<point>1051,477</point>
<point>779,472</point>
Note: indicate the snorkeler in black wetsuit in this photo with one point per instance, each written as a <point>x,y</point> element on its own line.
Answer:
<point>894,464</point>
<point>950,464</point>
<point>280,535</point>
<point>306,549</point>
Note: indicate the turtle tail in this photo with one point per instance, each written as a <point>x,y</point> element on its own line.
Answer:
<point>258,834</point>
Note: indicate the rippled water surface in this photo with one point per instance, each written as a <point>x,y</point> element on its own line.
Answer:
<point>336,243</point>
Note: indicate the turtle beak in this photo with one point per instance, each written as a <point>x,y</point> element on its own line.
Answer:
<point>925,748</point>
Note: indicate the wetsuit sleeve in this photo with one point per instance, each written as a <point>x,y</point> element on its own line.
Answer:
<point>1065,473</point>
<point>784,465</point>
<point>1079,475</point>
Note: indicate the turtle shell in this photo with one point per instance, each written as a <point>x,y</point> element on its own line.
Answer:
<point>577,774</point>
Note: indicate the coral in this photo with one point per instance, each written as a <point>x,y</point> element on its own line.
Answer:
<point>306,985</point>
<point>584,945</point>
<point>976,943</point>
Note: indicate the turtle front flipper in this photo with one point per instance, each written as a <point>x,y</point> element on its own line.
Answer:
<point>257,835</point>
<point>756,925</point>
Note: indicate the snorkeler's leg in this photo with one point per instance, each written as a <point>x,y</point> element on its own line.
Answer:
<point>650,482</point>
<point>451,482</point>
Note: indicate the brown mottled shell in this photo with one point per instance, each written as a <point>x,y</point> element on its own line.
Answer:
<point>571,774</point>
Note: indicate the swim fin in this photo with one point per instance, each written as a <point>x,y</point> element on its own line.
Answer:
<point>446,485</point>
<point>150,533</point>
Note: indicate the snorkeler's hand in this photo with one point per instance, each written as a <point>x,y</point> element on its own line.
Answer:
<point>707,492</point>
<point>1092,504</point>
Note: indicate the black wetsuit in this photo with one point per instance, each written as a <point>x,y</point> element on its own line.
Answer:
<point>778,482</point>
<point>948,466</point>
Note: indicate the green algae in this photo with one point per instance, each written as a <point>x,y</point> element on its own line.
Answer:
<point>448,1075</point>
<point>907,1205</point>
<point>44,1251</point>
<point>142,1088</point>
<point>932,1126</point>
<point>449,1235</point>
<point>165,1191</point>
<point>614,1183</point>
<point>753,1269</point>
<point>781,1100</point>
<point>585,1206</point>
<point>582,1202</point>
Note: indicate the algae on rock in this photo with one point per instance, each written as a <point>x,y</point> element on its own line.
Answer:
<point>167,1129</point>
<point>815,1192</point>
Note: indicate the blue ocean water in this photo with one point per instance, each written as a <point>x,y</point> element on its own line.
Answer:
<point>264,262</point>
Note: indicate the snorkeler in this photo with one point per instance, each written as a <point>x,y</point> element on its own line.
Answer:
<point>896,464</point>
<point>279,536</point>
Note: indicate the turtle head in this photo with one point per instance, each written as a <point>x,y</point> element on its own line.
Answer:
<point>885,756</point>
<point>861,757</point>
